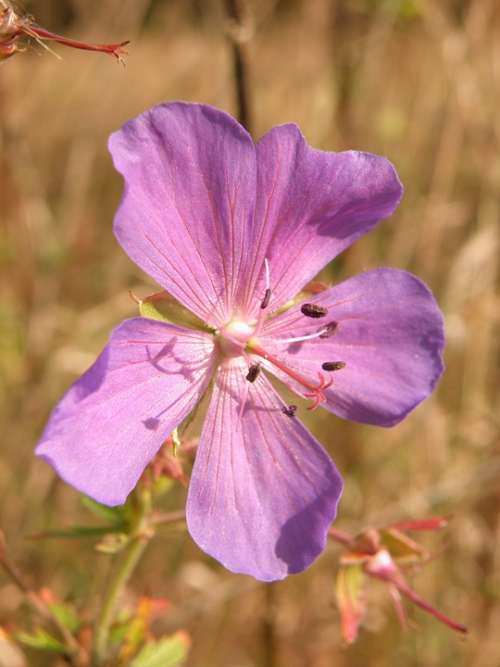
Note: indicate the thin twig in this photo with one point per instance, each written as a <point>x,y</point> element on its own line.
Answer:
<point>38,604</point>
<point>168,517</point>
<point>268,627</point>
<point>239,32</point>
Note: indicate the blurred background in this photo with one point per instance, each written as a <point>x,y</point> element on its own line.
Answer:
<point>415,80</point>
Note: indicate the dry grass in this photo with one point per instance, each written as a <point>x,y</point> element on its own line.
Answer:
<point>416,80</point>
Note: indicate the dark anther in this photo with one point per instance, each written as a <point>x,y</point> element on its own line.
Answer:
<point>266,299</point>
<point>329,329</point>
<point>313,310</point>
<point>333,365</point>
<point>289,410</point>
<point>253,372</point>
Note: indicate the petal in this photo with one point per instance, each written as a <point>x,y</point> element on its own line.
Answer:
<point>389,334</point>
<point>186,212</point>
<point>311,205</point>
<point>263,491</point>
<point>113,420</point>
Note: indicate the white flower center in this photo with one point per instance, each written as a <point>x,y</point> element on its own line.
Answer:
<point>233,337</point>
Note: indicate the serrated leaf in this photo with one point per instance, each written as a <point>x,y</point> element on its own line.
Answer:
<point>41,640</point>
<point>167,652</point>
<point>113,514</point>
<point>161,306</point>
<point>351,599</point>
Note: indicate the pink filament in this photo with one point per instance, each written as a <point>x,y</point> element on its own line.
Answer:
<point>316,392</point>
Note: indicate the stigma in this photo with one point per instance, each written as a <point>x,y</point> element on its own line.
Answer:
<point>315,390</point>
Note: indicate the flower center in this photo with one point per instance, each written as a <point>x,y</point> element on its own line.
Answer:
<point>234,336</point>
<point>239,338</point>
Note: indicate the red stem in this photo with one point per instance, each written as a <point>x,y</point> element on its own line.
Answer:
<point>420,602</point>
<point>340,536</point>
<point>113,49</point>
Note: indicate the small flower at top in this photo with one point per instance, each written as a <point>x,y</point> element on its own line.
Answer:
<point>15,28</point>
<point>382,554</point>
<point>234,231</point>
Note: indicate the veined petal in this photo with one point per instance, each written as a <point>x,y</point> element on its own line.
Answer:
<point>112,421</point>
<point>389,334</point>
<point>311,205</point>
<point>187,208</point>
<point>263,491</point>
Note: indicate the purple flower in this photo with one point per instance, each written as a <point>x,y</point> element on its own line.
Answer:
<point>234,230</point>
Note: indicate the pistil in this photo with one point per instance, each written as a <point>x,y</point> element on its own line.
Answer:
<point>316,391</point>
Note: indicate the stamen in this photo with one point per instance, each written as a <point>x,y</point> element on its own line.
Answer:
<point>289,410</point>
<point>268,273</point>
<point>267,295</point>
<point>299,339</point>
<point>265,301</point>
<point>329,329</point>
<point>253,373</point>
<point>333,365</point>
<point>313,310</point>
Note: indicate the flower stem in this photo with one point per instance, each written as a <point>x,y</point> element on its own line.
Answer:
<point>130,558</point>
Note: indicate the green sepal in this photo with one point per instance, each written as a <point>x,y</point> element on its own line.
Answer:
<point>161,306</point>
<point>351,599</point>
<point>400,546</point>
<point>41,640</point>
<point>176,441</point>
<point>168,652</point>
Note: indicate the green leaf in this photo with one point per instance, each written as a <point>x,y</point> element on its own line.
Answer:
<point>113,514</point>
<point>119,631</point>
<point>66,616</point>
<point>76,532</point>
<point>41,640</point>
<point>167,652</point>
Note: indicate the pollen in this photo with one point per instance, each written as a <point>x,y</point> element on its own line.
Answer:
<point>313,310</point>
<point>253,373</point>
<point>333,365</point>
